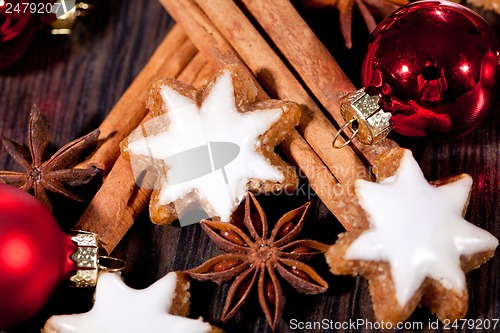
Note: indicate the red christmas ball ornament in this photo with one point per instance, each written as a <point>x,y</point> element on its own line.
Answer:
<point>35,255</point>
<point>18,27</point>
<point>434,66</point>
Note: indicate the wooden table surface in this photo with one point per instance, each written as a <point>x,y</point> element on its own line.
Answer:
<point>76,81</point>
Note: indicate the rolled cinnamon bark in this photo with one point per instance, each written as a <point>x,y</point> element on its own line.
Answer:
<point>222,20</point>
<point>115,206</point>
<point>310,59</point>
<point>320,179</point>
<point>216,48</point>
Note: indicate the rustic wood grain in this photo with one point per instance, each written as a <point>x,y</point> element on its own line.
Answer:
<point>79,80</point>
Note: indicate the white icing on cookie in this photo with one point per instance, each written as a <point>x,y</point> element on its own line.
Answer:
<point>217,120</point>
<point>120,309</point>
<point>418,229</point>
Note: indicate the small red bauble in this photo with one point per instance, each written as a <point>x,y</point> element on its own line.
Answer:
<point>34,255</point>
<point>435,66</point>
<point>18,27</point>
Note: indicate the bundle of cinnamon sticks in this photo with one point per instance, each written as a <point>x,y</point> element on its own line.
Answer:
<point>209,35</point>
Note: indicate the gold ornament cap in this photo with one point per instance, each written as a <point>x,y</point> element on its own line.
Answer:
<point>364,117</point>
<point>88,261</point>
<point>86,258</point>
<point>67,12</point>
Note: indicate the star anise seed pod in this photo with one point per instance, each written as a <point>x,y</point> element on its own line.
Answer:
<point>51,174</point>
<point>253,256</point>
<point>366,7</point>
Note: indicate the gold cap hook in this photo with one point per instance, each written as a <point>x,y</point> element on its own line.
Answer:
<point>122,264</point>
<point>342,129</point>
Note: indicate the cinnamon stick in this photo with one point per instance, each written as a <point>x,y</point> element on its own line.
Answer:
<point>271,72</point>
<point>299,153</point>
<point>172,55</point>
<point>200,70</point>
<point>210,42</point>
<point>120,201</point>
<point>310,59</point>
<point>115,206</point>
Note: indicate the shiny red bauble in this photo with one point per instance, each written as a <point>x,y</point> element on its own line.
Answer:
<point>435,65</point>
<point>34,255</point>
<point>18,27</point>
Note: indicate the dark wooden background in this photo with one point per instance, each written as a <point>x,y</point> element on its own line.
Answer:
<point>76,80</point>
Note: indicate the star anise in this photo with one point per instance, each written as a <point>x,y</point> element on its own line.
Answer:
<point>366,7</point>
<point>253,256</point>
<point>48,174</point>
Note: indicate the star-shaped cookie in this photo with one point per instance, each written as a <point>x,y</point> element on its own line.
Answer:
<point>410,240</point>
<point>211,146</point>
<point>161,307</point>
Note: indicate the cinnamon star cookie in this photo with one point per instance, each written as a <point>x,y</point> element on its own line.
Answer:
<point>410,240</point>
<point>161,307</point>
<point>209,147</point>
